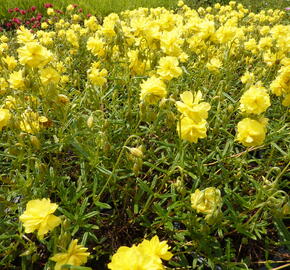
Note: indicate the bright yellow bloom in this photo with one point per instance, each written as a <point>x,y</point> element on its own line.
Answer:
<point>133,258</point>
<point>286,101</point>
<point>50,11</point>
<point>24,35</point>
<point>135,64</point>
<point>191,107</point>
<point>247,77</point>
<point>156,248</point>
<point>34,55</point>
<point>168,68</point>
<point>10,102</point>
<point>152,90</point>
<point>256,100</point>
<point>44,25</point>
<point>191,131</point>
<point>3,85</point>
<point>206,201</point>
<point>76,255</point>
<point>39,216</point>
<point>10,61</point>
<point>5,116</point>
<point>214,64</point>
<point>251,132</point>
<point>97,77</point>
<point>70,7</point>
<point>72,38</point>
<point>31,122</point>
<point>49,76</point>
<point>16,80</point>
<point>92,23</point>
<point>96,46</point>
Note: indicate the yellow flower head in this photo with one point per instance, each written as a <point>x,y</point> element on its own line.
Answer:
<point>168,68</point>
<point>16,80</point>
<point>251,132</point>
<point>96,46</point>
<point>135,64</point>
<point>156,248</point>
<point>247,77</point>
<point>152,90</point>
<point>207,200</point>
<point>31,122</point>
<point>24,35</point>
<point>49,76</point>
<point>191,131</point>
<point>3,85</point>
<point>97,77</point>
<point>191,107</point>
<point>256,100</point>
<point>10,62</point>
<point>133,258</point>
<point>5,116</point>
<point>214,64</point>
<point>38,216</point>
<point>34,55</point>
<point>76,255</point>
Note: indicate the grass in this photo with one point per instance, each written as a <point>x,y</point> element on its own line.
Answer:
<point>102,8</point>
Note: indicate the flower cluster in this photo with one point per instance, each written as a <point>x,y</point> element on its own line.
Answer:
<point>147,255</point>
<point>255,101</point>
<point>192,124</point>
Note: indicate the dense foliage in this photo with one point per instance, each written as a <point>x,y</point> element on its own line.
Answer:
<point>150,139</point>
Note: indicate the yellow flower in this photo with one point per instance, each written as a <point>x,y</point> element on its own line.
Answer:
<point>208,202</point>
<point>286,101</point>
<point>16,80</point>
<point>97,77</point>
<point>247,77</point>
<point>49,76</point>
<point>191,131</point>
<point>133,258</point>
<point>10,102</point>
<point>44,25</point>
<point>251,132</point>
<point>5,116</point>
<point>256,100</point>
<point>152,90</point>
<point>156,248</point>
<point>76,255</point>
<point>31,122</point>
<point>24,35</point>
<point>50,11</point>
<point>34,55</point>
<point>168,68</point>
<point>191,107</point>
<point>214,64</point>
<point>3,85</point>
<point>135,64</point>
<point>39,216</point>
<point>10,62</point>
<point>70,7</point>
<point>96,46</point>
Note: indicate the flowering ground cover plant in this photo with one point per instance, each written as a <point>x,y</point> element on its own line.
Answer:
<point>152,139</point>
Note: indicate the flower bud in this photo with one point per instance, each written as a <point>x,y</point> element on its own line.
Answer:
<point>90,121</point>
<point>136,151</point>
<point>35,142</point>
<point>208,202</point>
